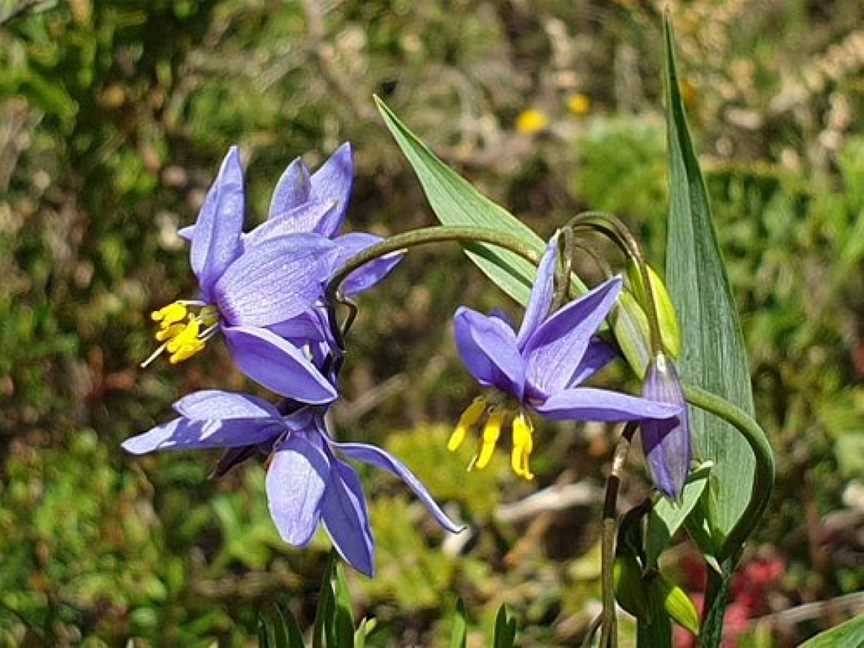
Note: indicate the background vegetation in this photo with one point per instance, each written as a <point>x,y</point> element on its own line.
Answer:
<point>113,119</point>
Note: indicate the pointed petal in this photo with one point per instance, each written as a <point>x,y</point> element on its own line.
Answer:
<point>277,365</point>
<point>305,327</point>
<point>666,443</point>
<point>186,233</point>
<point>185,434</point>
<point>556,348</point>
<point>216,237</point>
<point>588,404</point>
<point>299,220</point>
<point>347,520</point>
<point>541,294</point>
<point>296,481</point>
<point>274,281</point>
<point>488,349</point>
<point>370,274</point>
<point>333,182</point>
<point>292,189</point>
<point>597,355</point>
<point>217,404</point>
<point>382,459</point>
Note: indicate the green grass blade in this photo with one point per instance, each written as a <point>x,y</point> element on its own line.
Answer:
<point>456,202</point>
<point>459,633</point>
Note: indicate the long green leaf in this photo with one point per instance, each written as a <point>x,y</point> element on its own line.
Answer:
<point>456,202</point>
<point>849,634</point>
<point>504,635</point>
<point>459,633</point>
<point>714,355</point>
<point>344,621</point>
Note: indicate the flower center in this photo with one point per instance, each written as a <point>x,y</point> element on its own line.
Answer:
<point>493,418</point>
<point>180,329</point>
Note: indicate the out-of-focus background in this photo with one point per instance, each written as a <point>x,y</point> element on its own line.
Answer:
<point>114,117</point>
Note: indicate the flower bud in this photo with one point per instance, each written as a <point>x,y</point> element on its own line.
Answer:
<point>667,319</point>
<point>666,442</point>
<point>677,604</point>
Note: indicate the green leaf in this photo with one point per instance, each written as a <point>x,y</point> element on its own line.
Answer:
<point>848,634</point>
<point>280,631</point>
<point>667,517</point>
<point>459,633</point>
<point>714,356</point>
<point>325,612</point>
<point>505,629</point>
<point>456,202</point>
<point>344,619</point>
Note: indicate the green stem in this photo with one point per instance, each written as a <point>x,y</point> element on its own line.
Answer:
<point>425,236</point>
<point>763,481</point>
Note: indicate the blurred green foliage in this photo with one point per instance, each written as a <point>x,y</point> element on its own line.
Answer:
<point>113,119</point>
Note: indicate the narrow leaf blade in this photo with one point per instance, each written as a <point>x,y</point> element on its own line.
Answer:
<point>459,633</point>
<point>714,356</point>
<point>456,202</point>
<point>505,629</point>
<point>850,634</point>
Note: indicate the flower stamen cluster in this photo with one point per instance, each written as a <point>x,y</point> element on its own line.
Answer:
<point>180,330</point>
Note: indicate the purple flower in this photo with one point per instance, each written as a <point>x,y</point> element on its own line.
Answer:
<point>541,368</point>
<point>666,442</point>
<point>307,481</point>
<point>262,289</point>
<point>306,203</point>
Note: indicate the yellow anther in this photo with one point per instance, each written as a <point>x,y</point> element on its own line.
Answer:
<point>170,314</point>
<point>168,332</point>
<point>187,336</point>
<point>523,444</point>
<point>186,351</point>
<point>491,432</point>
<point>467,420</point>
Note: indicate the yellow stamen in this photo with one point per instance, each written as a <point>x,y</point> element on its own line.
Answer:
<point>491,432</point>
<point>168,332</point>
<point>186,351</point>
<point>467,420</point>
<point>523,444</point>
<point>170,314</point>
<point>187,336</point>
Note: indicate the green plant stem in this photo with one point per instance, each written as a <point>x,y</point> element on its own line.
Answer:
<point>763,481</point>
<point>423,236</point>
<point>609,628</point>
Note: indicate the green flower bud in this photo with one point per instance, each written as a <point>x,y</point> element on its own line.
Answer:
<point>678,605</point>
<point>670,332</point>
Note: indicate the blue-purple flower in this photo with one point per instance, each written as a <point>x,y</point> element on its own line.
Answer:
<point>541,368</point>
<point>307,481</point>
<point>666,442</point>
<point>263,289</point>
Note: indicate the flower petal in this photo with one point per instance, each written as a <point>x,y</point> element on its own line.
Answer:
<point>274,281</point>
<point>347,520</point>
<point>556,348</point>
<point>332,181</point>
<point>488,349</point>
<point>597,355</point>
<point>666,443</point>
<point>296,482</point>
<point>589,404</point>
<point>292,189</point>
<point>371,273</point>
<point>186,233</point>
<point>382,459</point>
<point>541,294</point>
<point>299,220</point>
<point>186,434</point>
<point>216,237</point>
<point>217,404</point>
<point>277,365</point>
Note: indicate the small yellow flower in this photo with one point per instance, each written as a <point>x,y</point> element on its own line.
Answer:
<point>531,121</point>
<point>578,103</point>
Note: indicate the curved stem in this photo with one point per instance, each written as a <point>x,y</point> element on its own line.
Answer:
<point>763,481</point>
<point>609,628</point>
<point>425,236</point>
